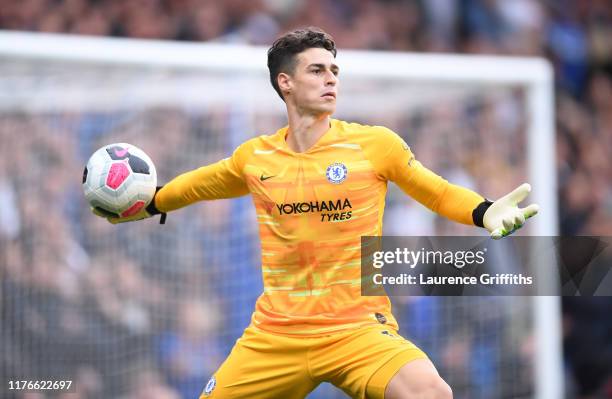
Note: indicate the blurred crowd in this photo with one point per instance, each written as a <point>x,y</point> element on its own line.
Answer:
<point>150,324</point>
<point>128,311</point>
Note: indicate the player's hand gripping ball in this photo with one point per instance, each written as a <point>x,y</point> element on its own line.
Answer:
<point>119,182</point>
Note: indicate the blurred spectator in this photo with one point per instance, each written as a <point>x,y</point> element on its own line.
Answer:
<point>148,384</point>
<point>187,352</point>
<point>588,351</point>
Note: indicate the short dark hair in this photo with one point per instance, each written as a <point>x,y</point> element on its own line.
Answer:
<point>281,56</point>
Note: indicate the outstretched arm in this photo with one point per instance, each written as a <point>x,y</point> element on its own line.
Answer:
<point>219,180</point>
<point>215,181</point>
<point>394,161</point>
<point>501,218</point>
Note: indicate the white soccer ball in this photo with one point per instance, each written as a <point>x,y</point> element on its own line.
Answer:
<point>119,180</point>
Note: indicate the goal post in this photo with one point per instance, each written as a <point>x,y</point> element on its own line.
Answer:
<point>145,74</point>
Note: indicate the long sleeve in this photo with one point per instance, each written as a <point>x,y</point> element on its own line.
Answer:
<point>393,160</point>
<point>223,179</point>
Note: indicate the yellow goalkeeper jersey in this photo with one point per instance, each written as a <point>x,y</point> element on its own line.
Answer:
<point>312,209</point>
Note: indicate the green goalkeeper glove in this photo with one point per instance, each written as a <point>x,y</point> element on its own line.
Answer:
<point>504,217</point>
<point>144,213</point>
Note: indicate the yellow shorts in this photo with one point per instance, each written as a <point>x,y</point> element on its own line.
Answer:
<point>360,362</point>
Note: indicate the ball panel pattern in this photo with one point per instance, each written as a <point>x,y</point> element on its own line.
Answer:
<point>117,174</point>
<point>119,179</point>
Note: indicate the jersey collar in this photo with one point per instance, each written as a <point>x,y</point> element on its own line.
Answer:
<point>281,137</point>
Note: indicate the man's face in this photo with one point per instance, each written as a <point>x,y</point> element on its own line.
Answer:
<point>314,82</point>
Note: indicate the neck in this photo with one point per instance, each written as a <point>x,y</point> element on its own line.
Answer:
<point>305,130</point>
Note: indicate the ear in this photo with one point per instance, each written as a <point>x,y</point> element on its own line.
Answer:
<point>284,82</point>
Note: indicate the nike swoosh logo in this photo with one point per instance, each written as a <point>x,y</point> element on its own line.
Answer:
<point>121,152</point>
<point>263,178</point>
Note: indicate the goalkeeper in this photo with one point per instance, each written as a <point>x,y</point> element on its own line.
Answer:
<point>318,185</point>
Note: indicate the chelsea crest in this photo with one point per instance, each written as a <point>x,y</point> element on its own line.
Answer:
<point>336,173</point>
<point>210,386</point>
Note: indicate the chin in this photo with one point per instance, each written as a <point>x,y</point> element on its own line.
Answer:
<point>326,109</point>
<point>320,108</point>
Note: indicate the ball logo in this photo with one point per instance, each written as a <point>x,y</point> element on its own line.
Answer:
<point>336,173</point>
<point>210,386</point>
<point>137,164</point>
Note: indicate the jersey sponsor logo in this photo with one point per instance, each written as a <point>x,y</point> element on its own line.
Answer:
<point>330,210</point>
<point>210,386</point>
<point>314,206</point>
<point>336,173</point>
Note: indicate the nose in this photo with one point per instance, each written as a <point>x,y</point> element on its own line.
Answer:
<point>330,79</point>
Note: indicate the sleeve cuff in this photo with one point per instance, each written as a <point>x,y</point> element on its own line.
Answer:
<point>152,209</point>
<point>479,211</point>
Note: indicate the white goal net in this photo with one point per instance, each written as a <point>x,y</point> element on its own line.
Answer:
<point>124,309</point>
